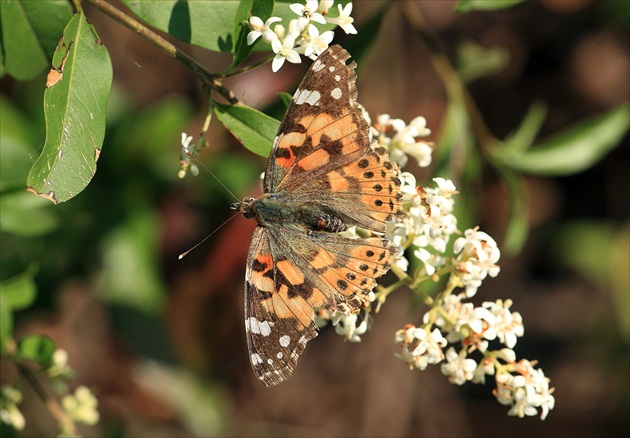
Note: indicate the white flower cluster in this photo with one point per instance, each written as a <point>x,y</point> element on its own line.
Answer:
<point>526,391</point>
<point>81,406</point>
<point>519,385</point>
<point>302,36</point>
<point>428,224</point>
<point>10,414</point>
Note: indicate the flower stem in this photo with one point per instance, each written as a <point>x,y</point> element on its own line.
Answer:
<point>66,424</point>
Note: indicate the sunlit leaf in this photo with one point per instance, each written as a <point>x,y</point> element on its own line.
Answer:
<point>255,130</point>
<point>207,24</point>
<point>573,150</point>
<point>74,107</point>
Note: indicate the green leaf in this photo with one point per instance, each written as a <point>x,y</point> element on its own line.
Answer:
<point>6,326</point>
<point>600,252</point>
<point>23,214</point>
<point>255,130</point>
<point>573,150</point>
<point>486,5</point>
<point>523,138</point>
<point>37,348</point>
<point>16,293</point>
<point>240,48</point>
<point>258,8</point>
<point>19,291</point>
<point>74,108</point>
<point>18,135</point>
<point>207,24</point>
<point>475,62</point>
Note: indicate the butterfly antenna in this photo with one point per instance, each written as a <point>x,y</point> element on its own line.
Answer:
<point>185,253</point>
<point>216,178</point>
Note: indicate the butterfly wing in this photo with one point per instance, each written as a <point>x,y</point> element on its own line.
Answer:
<point>288,274</point>
<point>323,124</point>
<point>323,147</point>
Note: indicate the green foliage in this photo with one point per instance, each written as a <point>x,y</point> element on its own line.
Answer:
<point>573,150</point>
<point>254,129</point>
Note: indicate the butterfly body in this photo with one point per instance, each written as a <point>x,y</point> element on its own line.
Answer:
<point>323,176</point>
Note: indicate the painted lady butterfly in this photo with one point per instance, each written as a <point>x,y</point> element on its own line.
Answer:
<point>322,176</point>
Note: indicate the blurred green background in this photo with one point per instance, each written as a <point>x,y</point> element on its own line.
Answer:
<point>161,341</point>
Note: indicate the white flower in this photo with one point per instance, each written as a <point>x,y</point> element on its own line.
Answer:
<point>478,254</point>
<point>346,325</point>
<point>184,160</point>
<point>81,406</point>
<point>315,44</point>
<point>324,6</point>
<point>9,412</point>
<point>507,326</point>
<point>308,13</point>
<point>458,368</point>
<point>284,50</point>
<point>525,392</point>
<point>401,139</point>
<point>475,318</point>
<point>344,20</point>
<point>261,29</point>
<point>420,348</point>
<point>485,367</point>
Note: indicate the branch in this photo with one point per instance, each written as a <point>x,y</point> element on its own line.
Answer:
<point>206,77</point>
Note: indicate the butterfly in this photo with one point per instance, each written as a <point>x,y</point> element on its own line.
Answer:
<point>323,175</point>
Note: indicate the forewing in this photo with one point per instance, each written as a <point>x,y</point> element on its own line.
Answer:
<point>323,127</point>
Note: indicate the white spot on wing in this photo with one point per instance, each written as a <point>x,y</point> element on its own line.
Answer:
<point>331,68</point>
<point>336,93</point>
<point>258,328</point>
<point>337,78</point>
<point>318,65</point>
<point>307,96</point>
<point>279,355</point>
<point>256,359</point>
<point>284,340</point>
<point>270,361</point>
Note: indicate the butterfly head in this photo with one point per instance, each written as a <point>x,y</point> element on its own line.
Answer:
<point>247,207</point>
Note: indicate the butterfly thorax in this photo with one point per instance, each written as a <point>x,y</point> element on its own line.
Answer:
<point>273,209</point>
